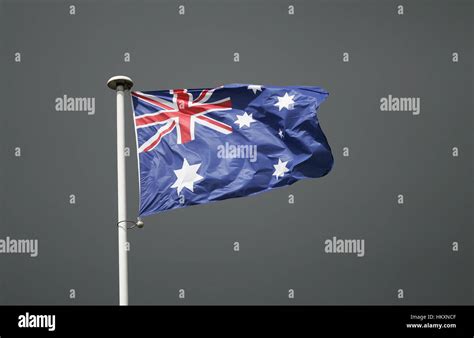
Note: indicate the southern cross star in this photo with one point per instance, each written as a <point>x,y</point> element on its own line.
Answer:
<point>244,120</point>
<point>285,101</point>
<point>280,168</point>
<point>255,88</point>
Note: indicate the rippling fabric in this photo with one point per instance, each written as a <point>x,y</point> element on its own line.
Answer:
<point>201,145</point>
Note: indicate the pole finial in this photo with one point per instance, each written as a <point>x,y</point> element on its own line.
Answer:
<point>120,80</point>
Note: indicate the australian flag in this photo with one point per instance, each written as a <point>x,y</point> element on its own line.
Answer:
<point>201,145</point>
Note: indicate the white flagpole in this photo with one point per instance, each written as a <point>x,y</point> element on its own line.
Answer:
<point>121,84</point>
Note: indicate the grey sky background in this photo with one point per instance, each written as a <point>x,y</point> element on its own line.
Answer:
<point>407,246</point>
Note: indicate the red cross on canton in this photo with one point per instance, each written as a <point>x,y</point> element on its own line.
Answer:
<point>181,114</point>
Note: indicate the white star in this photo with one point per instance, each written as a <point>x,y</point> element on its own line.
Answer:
<point>186,176</point>
<point>280,133</point>
<point>280,168</point>
<point>244,120</point>
<point>285,101</point>
<point>255,88</point>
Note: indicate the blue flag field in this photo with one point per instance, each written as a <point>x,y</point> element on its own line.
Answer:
<point>201,145</point>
